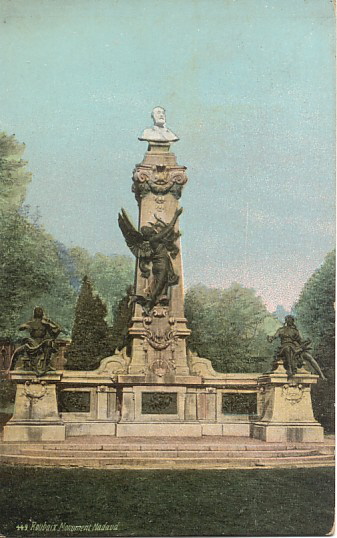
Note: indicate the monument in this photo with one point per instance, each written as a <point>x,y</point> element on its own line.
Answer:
<point>36,416</point>
<point>156,386</point>
<point>286,391</point>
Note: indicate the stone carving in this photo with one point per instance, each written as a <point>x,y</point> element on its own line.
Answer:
<point>159,133</point>
<point>160,367</point>
<point>202,367</point>
<point>293,350</point>
<point>154,246</point>
<point>292,392</point>
<point>34,389</point>
<point>159,402</point>
<point>117,364</point>
<point>158,179</point>
<point>157,339</point>
<point>37,351</point>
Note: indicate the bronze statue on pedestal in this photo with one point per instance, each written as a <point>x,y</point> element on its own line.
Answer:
<point>37,351</point>
<point>293,350</point>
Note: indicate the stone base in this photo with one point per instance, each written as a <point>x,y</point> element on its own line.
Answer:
<point>158,430</point>
<point>291,432</point>
<point>181,429</point>
<point>74,429</point>
<point>34,432</point>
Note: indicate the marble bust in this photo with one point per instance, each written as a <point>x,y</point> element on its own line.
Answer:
<point>159,133</point>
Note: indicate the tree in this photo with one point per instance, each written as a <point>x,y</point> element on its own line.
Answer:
<point>111,275</point>
<point>31,270</point>
<point>14,177</point>
<point>91,341</point>
<point>315,313</point>
<point>229,327</point>
<point>280,313</point>
<point>122,321</point>
<point>31,273</point>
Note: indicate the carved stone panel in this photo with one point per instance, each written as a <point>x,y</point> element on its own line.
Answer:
<point>158,179</point>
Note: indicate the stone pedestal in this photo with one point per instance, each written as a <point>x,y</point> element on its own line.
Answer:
<point>159,337</point>
<point>35,416</point>
<point>287,414</point>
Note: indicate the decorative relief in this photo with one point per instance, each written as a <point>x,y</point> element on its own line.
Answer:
<point>160,367</point>
<point>159,403</point>
<point>102,388</point>
<point>293,392</point>
<point>160,201</point>
<point>160,339</point>
<point>158,179</point>
<point>160,335</point>
<point>35,389</point>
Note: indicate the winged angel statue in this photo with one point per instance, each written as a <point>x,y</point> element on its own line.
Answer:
<point>154,246</point>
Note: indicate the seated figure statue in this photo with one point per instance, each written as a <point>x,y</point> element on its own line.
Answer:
<point>36,352</point>
<point>293,350</point>
<point>159,133</point>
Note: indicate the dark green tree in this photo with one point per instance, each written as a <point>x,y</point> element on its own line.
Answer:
<point>110,275</point>
<point>91,340</point>
<point>31,269</point>
<point>122,321</point>
<point>229,327</point>
<point>315,313</point>
<point>31,273</point>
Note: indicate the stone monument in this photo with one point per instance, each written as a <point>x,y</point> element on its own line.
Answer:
<point>36,416</point>
<point>158,328</point>
<point>286,391</point>
<point>155,386</point>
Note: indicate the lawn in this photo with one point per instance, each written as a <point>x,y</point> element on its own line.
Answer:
<point>51,502</point>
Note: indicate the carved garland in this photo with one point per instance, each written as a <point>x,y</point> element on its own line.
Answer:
<point>160,341</point>
<point>159,180</point>
<point>34,389</point>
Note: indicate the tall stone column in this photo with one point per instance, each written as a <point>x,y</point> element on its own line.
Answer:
<point>159,327</point>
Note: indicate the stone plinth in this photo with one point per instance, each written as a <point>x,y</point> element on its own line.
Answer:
<point>287,414</point>
<point>35,416</point>
<point>159,337</point>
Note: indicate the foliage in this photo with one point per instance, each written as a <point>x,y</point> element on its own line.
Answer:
<point>7,393</point>
<point>122,321</point>
<point>31,272</point>
<point>14,177</point>
<point>315,313</point>
<point>110,275</point>
<point>228,326</point>
<point>36,269</point>
<point>280,313</point>
<point>91,340</point>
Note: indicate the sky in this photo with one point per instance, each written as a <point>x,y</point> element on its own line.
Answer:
<point>248,86</point>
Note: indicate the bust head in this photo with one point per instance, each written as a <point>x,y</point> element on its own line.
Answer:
<point>159,133</point>
<point>158,116</point>
<point>38,312</point>
<point>290,321</point>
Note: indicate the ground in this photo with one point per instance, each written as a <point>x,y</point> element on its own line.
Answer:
<point>295,502</point>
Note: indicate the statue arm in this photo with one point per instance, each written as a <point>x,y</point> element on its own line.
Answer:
<point>272,338</point>
<point>53,328</point>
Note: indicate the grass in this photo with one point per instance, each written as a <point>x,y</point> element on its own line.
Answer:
<point>293,502</point>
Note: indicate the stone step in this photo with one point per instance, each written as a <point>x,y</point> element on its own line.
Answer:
<point>170,463</point>
<point>135,447</point>
<point>160,453</point>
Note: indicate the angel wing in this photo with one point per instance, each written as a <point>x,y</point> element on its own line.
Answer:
<point>134,239</point>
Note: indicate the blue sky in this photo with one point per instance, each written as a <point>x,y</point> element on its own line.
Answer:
<point>248,85</point>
